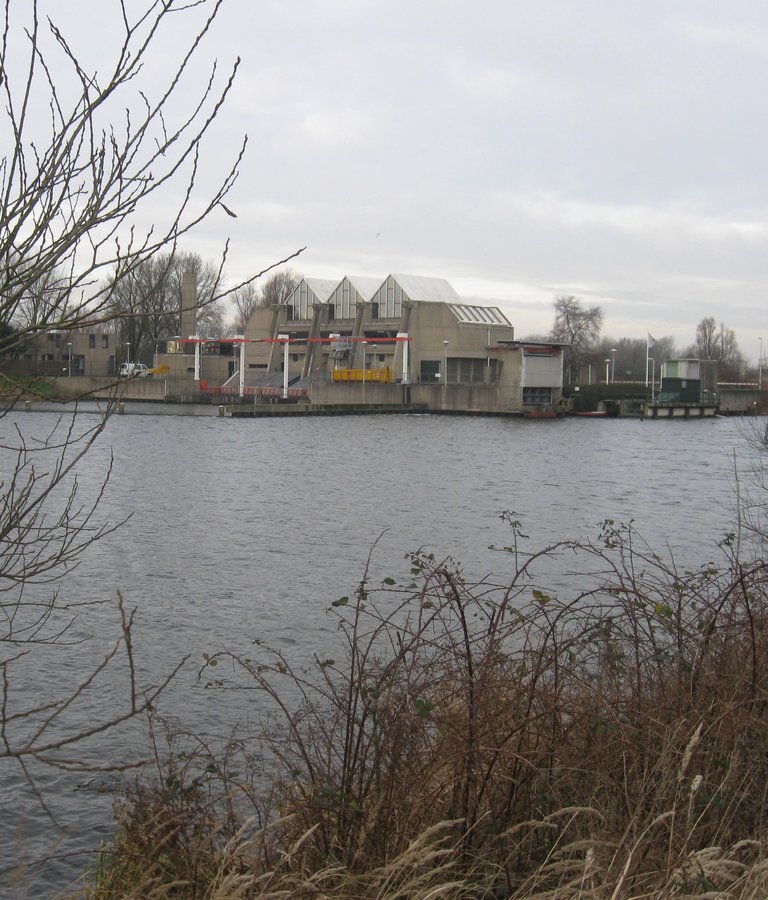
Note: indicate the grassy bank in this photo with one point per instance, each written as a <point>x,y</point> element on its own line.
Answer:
<point>480,740</point>
<point>16,389</point>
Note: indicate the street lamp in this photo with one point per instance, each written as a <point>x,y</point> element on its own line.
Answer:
<point>69,344</point>
<point>613,364</point>
<point>128,351</point>
<point>760,367</point>
<point>607,369</point>
<point>365,344</point>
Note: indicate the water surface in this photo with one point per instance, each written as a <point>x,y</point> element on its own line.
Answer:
<point>244,530</point>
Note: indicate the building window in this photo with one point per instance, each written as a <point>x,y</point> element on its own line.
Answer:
<point>105,342</point>
<point>91,341</point>
<point>430,370</point>
<point>467,370</point>
<point>537,396</point>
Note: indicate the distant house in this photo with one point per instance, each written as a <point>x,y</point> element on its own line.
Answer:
<point>81,351</point>
<point>688,381</point>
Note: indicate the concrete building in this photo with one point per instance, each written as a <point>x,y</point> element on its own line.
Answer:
<point>81,351</point>
<point>688,381</point>
<point>408,339</point>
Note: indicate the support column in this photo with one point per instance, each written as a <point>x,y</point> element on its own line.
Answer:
<point>286,343</point>
<point>401,358</point>
<point>241,364</point>
<point>198,350</point>
<point>314,331</point>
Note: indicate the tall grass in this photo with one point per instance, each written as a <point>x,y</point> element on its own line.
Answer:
<point>484,740</point>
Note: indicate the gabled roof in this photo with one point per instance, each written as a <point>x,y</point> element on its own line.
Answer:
<point>322,288</point>
<point>364,285</point>
<point>419,287</point>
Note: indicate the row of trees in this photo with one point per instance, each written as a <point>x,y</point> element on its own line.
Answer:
<point>580,326</point>
<point>146,304</point>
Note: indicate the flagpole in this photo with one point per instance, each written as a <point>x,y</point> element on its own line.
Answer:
<point>647,355</point>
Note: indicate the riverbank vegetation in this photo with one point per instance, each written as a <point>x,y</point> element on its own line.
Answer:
<point>476,739</point>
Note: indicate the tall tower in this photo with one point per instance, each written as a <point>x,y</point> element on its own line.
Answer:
<point>188,324</point>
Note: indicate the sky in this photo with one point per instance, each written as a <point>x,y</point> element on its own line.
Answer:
<point>609,149</point>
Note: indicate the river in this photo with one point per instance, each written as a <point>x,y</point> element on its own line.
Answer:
<point>243,530</point>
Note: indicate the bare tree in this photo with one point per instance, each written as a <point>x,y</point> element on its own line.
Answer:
<point>146,303</point>
<point>731,358</point>
<point>279,287</point>
<point>246,299</point>
<point>628,356</point>
<point>84,153</point>
<point>276,289</point>
<point>69,198</point>
<point>576,325</point>
<point>719,343</point>
<point>706,343</point>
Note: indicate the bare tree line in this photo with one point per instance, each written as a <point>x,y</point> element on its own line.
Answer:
<point>580,326</point>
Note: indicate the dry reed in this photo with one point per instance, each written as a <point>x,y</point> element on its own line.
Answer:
<point>492,741</point>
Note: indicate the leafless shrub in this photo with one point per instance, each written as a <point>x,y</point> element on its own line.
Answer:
<point>608,740</point>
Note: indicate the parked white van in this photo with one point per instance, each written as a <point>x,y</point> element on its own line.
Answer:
<point>136,370</point>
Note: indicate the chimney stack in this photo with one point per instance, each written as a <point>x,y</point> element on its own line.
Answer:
<point>188,324</point>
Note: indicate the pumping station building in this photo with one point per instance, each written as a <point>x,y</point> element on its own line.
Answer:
<point>405,341</point>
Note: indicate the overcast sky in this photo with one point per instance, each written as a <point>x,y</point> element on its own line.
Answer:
<point>611,149</point>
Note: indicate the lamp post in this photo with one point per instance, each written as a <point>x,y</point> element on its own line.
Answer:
<point>365,344</point>
<point>613,365</point>
<point>760,367</point>
<point>607,370</point>
<point>128,351</point>
<point>69,359</point>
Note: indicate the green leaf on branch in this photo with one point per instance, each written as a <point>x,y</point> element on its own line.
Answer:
<point>424,707</point>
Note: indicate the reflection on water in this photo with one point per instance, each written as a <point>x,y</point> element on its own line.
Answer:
<point>246,529</point>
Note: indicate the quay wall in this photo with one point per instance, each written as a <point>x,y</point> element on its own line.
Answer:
<point>435,397</point>
<point>456,398</point>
